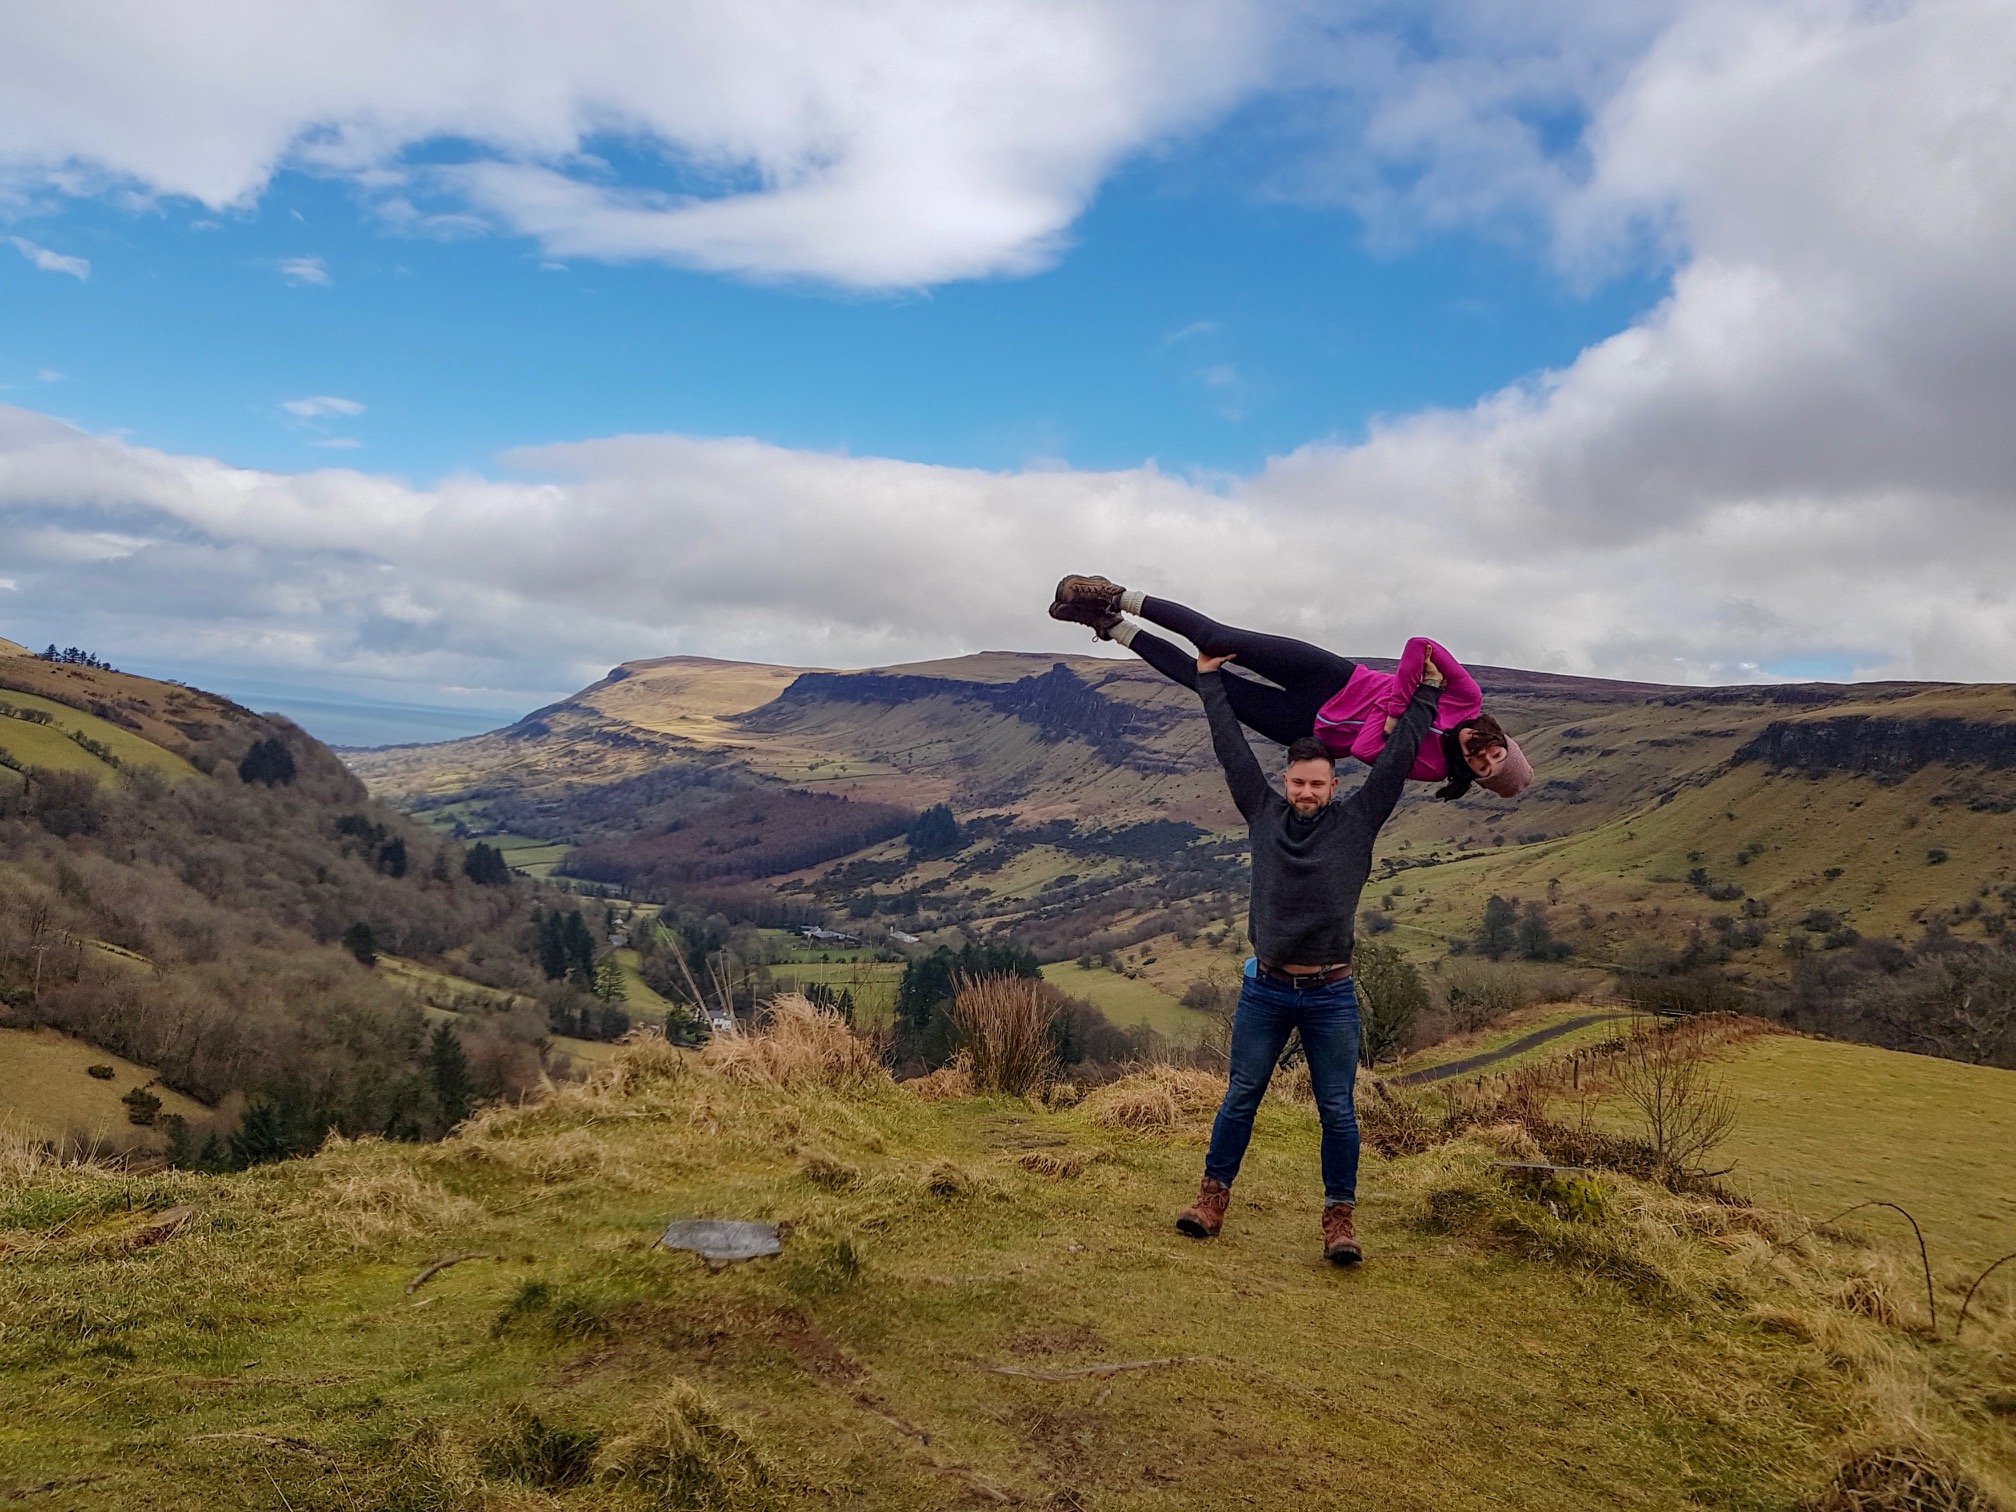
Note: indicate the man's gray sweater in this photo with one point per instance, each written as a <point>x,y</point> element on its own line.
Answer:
<point>1308,873</point>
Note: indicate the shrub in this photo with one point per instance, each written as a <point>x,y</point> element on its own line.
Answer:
<point>1005,1022</point>
<point>1934,856</point>
<point>141,1107</point>
<point>1663,1072</point>
<point>268,761</point>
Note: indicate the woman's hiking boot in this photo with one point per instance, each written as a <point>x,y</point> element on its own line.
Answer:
<point>1340,1239</point>
<point>1204,1217</point>
<point>1093,601</point>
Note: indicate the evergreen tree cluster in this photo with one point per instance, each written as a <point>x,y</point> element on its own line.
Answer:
<point>565,946</point>
<point>589,1021</point>
<point>485,866</point>
<point>1509,930</point>
<point>268,761</point>
<point>70,656</point>
<point>930,981</point>
<point>935,834</point>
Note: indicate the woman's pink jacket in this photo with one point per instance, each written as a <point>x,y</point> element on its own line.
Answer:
<point>1353,722</point>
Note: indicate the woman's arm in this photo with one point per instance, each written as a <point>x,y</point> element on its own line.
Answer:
<point>1461,697</point>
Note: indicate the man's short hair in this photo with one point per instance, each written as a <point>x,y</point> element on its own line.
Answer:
<point>1309,748</point>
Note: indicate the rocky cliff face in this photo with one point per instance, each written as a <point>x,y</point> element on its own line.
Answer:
<point>1880,745</point>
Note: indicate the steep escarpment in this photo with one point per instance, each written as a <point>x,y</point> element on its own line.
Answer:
<point>1882,744</point>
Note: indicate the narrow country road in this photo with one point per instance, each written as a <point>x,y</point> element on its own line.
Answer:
<point>1471,1063</point>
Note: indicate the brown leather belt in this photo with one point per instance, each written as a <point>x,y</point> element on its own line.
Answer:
<point>1302,981</point>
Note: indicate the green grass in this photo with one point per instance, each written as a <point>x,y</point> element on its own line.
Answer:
<point>50,745</point>
<point>1823,1125</point>
<point>529,854</point>
<point>1127,1000</point>
<point>45,1089</point>
<point>270,1354</point>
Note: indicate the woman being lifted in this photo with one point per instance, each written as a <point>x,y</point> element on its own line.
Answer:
<point>1349,707</point>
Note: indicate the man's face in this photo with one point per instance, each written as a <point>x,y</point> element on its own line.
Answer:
<point>1310,785</point>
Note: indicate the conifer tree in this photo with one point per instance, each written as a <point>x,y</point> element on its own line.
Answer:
<point>448,1071</point>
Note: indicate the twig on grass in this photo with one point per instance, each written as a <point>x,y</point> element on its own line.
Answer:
<point>1088,1370</point>
<point>442,1264</point>
<point>1968,1300</point>
<point>1931,1305</point>
<point>272,1440</point>
<point>964,1473</point>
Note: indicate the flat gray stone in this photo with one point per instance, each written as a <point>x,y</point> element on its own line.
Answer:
<point>722,1241</point>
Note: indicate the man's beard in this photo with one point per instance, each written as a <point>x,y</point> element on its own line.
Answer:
<point>1306,810</point>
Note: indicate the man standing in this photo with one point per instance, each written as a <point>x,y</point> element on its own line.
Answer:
<point>1311,857</point>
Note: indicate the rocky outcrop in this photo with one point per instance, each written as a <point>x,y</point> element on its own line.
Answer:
<point>1879,745</point>
<point>1062,705</point>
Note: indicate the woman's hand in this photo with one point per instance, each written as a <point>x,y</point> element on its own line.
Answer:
<point>1212,663</point>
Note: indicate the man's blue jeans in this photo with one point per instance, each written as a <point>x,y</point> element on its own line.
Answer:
<point>1328,1019</point>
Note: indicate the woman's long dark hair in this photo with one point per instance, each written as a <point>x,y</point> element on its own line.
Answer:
<point>1461,778</point>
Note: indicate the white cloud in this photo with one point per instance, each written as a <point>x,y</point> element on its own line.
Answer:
<point>304,270</point>
<point>1803,454</point>
<point>870,143</point>
<point>318,406</point>
<point>337,443</point>
<point>51,262</point>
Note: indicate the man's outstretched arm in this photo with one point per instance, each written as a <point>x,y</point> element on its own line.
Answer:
<point>1243,776</point>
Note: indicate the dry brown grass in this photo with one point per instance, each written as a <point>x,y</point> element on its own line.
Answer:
<point>800,1047</point>
<point>1006,1022</point>
<point>1158,1100</point>
<point>944,1084</point>
<point>369,1197</point>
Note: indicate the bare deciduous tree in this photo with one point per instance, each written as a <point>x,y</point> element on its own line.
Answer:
<point>1663,1070</point>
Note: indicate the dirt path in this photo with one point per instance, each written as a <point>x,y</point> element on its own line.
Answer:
<point>1471,1063</point>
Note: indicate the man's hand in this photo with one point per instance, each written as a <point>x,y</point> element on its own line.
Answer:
<point>1432,674</point>
<point>1212,663</point>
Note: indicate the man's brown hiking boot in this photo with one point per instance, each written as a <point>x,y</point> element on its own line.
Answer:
<point>1340,1240</point>
<point>1204,1217</point>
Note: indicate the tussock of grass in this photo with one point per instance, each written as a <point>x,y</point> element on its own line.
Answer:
<point>373,1198</point>
<point>1006,1025</point>
<point>685,1451</point>
<point>1168,1100</point>
<point>799,1047</point>
<point>1904,1479</point>
<point>944,1084</point>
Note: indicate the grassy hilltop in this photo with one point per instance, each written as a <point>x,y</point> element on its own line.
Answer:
<point>980,1301</point>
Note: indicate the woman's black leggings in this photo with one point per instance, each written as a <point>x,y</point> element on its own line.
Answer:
<point>1308,675</point>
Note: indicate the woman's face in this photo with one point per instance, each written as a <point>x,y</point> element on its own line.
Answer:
<point>1485,761</point>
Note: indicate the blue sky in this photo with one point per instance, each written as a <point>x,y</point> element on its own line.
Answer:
<point>1190,321</point>
<point>405,368</point>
